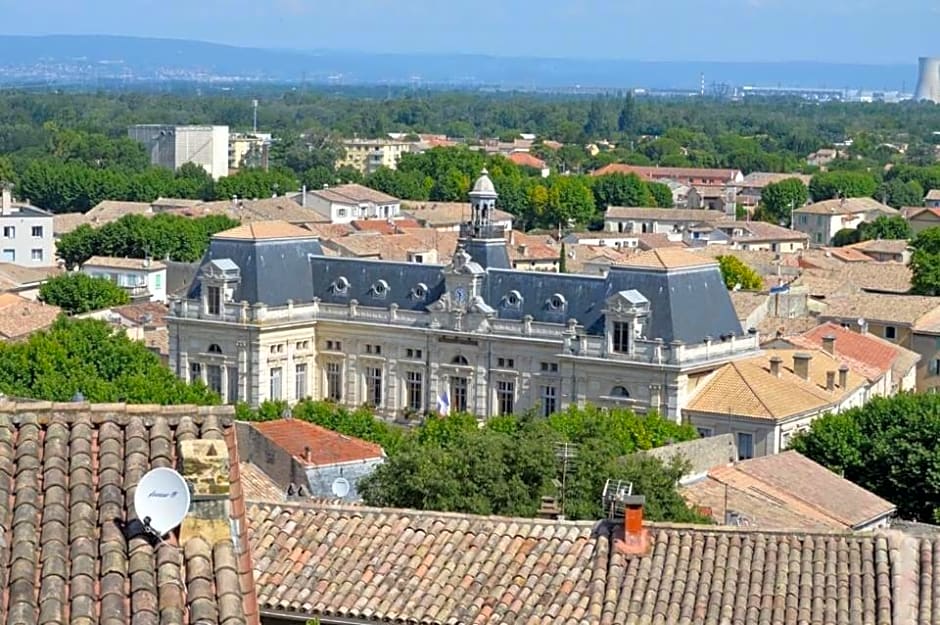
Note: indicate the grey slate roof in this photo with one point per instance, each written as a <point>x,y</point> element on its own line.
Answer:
<point>687,304</point>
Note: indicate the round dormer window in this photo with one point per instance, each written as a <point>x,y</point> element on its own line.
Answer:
<point>557,302</point>
<point>420,291</point>
<point>513,299</point>
<point>341,285</point>
<point>380,288</point>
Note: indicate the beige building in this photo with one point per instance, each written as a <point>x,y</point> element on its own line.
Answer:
<point>270,317</point>
<point>633,220</point>
<point>822,220</point>
<point>367,155</point>
<point>923,218</point>
<point>746,235</point>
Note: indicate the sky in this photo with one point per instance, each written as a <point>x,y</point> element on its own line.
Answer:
<point>854,31</point>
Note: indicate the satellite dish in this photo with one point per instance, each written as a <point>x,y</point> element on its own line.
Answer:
<point>161,500</point>
<point>861,322</point>
<point>340,487</point>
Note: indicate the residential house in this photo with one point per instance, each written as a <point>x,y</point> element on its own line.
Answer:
<point>450,216</point>
<point>26,281</point>
<point>349,202</point>
<point>594,260</point>
<point>889,368</point>
<point>921,218</point>
<point>932,199</point>
<point>75,547</point>
<point>765,399</point>
<point>27,233</point>
<point>106,211</point>
<point>722,199</point>
<point>822,220</point>
<point>746,235</point>
<point>752,186</point>
<point>632,220</point>
<point>63,223</point>
<point>471,335</point>
<point>532,252</point>
<point>330,464</point>
<point>143,321</point>
<point>680,192</point>
<point>434,567</point>
<point>368,155</point>
<point>691,176</point>
<point>786,491</point>
<point>524,159</point>
<point>885,250</point>
<point>911,321</point>
<point>20,317</point>
<point>823,156</point>
<point>410,246</point>
<point>142,278</point>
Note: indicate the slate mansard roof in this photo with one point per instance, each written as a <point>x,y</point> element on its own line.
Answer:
<point>69,550</point>
<point>274,271</point>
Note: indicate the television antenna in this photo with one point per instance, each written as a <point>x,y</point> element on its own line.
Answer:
<point>617,493</point>
<point>340,487</point>
<point>566,453</point>
<point>161,501</point>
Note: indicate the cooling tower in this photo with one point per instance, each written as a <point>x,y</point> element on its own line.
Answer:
<point>928,82</point>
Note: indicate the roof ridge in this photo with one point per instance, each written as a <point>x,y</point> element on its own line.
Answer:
<point>750,387</point>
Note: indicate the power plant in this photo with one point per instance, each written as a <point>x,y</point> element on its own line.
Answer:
<point>928,80</point>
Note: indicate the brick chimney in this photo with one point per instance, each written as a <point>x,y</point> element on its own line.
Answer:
<point>6,204</point>
<point>829,344</point>
<point>204,465</point>
<point>775,362</point>
<point>830,381</point>
<point>844,376</point>
<point>308,455</point>
<point>636,540</point>
<point>801,362</point>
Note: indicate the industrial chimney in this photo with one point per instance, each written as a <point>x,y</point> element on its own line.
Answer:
<point>928,80</point>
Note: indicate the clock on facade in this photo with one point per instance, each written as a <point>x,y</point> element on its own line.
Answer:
<point>460,295</point>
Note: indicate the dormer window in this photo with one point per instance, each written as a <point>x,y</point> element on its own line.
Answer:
<point>419,292</point>
<point>557,302</point>
<point>513,299</point>
<point>380,289</point>
<point>214,300</point>
<point>340,286</point>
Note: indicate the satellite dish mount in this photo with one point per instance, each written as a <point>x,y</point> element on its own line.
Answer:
<point>161,501</point>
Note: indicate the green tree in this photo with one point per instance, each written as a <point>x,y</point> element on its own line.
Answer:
<point>888,446</point>
<point>925,262</point>
<point>846,236</point>
<point>90,357</point>
<point>626,122</point>
<point>622,190</point>
<point>662,194</point>
<point>737,274</point>
<point>597,125</point>
<point>779,199</point>
<point>898,193</point>
<point>256,184</point>
<point>885,227</point>
<point>77,293</point>
<point>570,200</point>
<point>833,184</point>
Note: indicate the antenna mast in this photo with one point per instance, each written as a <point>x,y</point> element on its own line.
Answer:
<point>566,453</point>
<point>254,121</point>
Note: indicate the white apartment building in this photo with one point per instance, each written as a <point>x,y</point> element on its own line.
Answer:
<point>269,316</point>
<point>367,155</point>
<point>822,220</point>
<point>143,279</point>
<point>173,146</point>
<point>26,233</point>
<point>346,203</point>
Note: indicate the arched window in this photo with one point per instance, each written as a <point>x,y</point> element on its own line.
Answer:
<point>459,360</point>
<point>619,391</point>
<point>215,349</point>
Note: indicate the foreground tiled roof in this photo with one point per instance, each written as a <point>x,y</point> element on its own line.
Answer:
<point>869,355</point>
<point>69,550</point>
<point>880,307</point>
<point>428,568</point>
<point>20,317</point>
<point>326,447</point>
<point>787,491</point>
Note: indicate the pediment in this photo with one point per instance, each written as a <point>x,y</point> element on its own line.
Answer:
<point>628,302</point>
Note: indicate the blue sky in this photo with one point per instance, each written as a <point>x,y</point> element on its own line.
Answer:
<point>864,31</point>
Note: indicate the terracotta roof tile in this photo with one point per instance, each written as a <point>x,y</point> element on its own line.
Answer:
<point>19,275</point>
<point>847,206</point>
<point>20,317</point>
<point>325,447</point>
<point>258,486</point>
<point>446,214</point>
<point>882,246</point>
<point>900,309</point>
<point>658,173</point>
<point>525,159</point>
<point>355,193</point>
<point>429,568</point>
<point>867,354</point>
<point>63,223</point>
<point>664,214</point>
<point>112,262</point>
<point>667,258</point>
<point>70,554</point>
<point>265,230</point>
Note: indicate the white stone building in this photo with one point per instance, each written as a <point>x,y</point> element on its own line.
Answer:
<point>143,279</point>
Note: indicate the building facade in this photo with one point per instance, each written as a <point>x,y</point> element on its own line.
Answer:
<point>142,278</point>
<point>174,146</point>
<point>822,220</point>
<point>26,233</point>
<point>367,155</point>
<point>273,318</point>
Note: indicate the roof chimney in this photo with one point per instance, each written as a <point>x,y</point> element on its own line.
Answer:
<point>308,453</point>
<point>6,207</point>
<point>635,538</point>
<point>801,364</point>
<point>830,381</point>
<point>844,376</point>
<point>829,344</point>
<point>303,196</point>
<point>775,362</point>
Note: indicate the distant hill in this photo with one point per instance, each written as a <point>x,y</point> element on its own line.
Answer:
<point>67,59</point>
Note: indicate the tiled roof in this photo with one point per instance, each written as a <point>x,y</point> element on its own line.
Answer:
<point>397,247</point>
<point>652,241</point>
<point>867,354</point>
<point>325,447</point>
<point>747,388</point>
<point>355,193</point>
<point>111,262</point>
<point>899,309</point>
<point>20,317</point>
<point>134,313</point>
<point>763,231</point>
<point>384,226</point>
<point>431,568</point>
<point>933,194</point>
<point>655,173</point>
<point>760,179</point>
<point>107,211</point>
<point>63,223</point>
<point>930,322</point>
<point>911,212</point>
<point>258,486</point>
<point>770,327</point>
<point>442,214</point>
<point>265,230</point>
<point>329,230</point>
<point>786,491</point>
<point>882,246</point>
<point>13,275</point>
<point>664,214</point>
<point>746,302</point>
<point>525,159</point>
<point>71,553</point>
<point>667,258</point>
<point>848,255</point>
<point>846,206</point>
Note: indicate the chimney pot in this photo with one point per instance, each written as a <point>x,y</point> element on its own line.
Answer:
<point>829,344</point>
<point>844,376</point>
<point>801,362</point>
<point>830,380</point>
<point>775,363</point>
<point>635,537</point>
<point>308,455</point>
